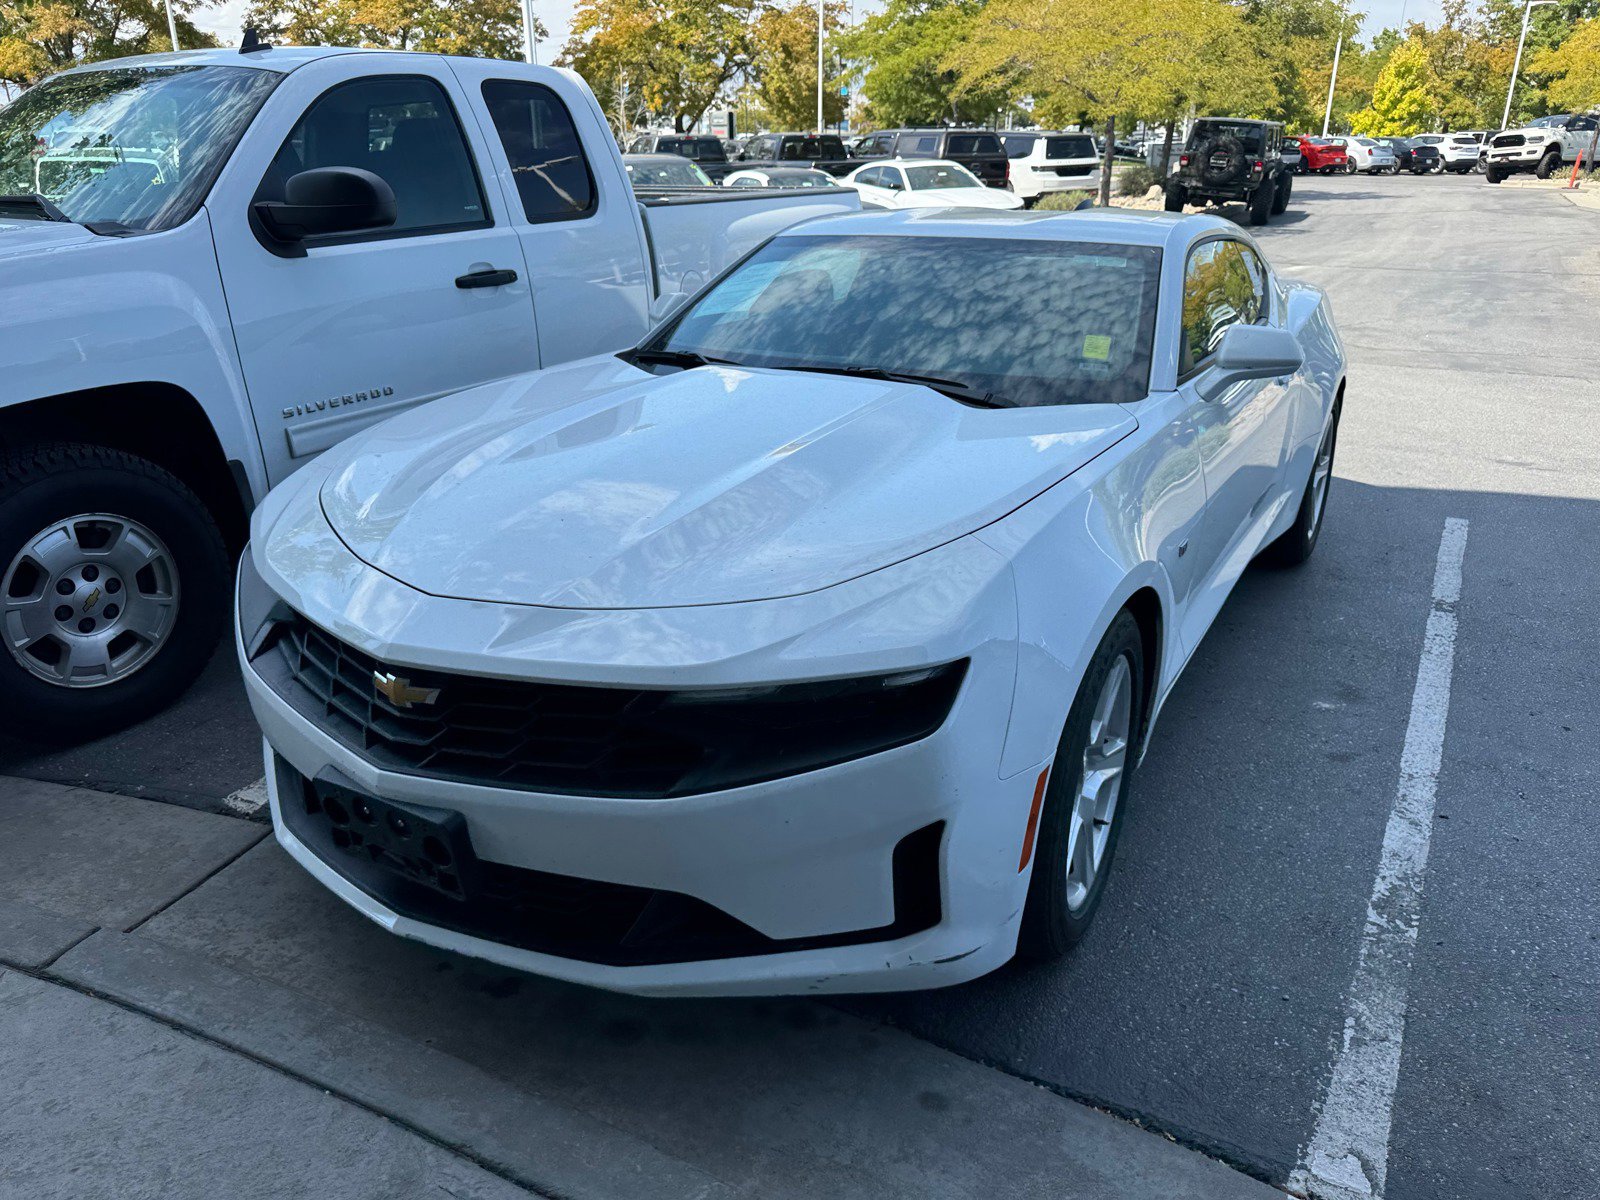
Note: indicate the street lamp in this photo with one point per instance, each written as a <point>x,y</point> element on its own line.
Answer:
<point>819,68</point>
<point>1516,66</point>
<point>532,45</point>
<point>172,26</point>
<point>1333,80</point>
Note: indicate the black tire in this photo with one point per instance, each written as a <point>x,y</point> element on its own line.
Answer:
<point>1350,167</point>
<point>1493,175</point>
<point>49,483</point>
<point>1177,196</point>
<point>1299,541</point>
<point>1051,925</point>
<point>1260,202</point>
<point>1548,164</point>
<point>1280,200</point>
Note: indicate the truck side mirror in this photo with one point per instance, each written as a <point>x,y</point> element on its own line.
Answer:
<point>328,200</point>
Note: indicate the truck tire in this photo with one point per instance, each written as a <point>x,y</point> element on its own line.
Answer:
<point>113,590</point>
<point>1177,197</point>
<point>1493,175</point>
<point>1280,199</point>
<point>1260,202</point>
<point>1548,164</point>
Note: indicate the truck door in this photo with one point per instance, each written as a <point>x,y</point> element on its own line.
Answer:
<point>339,332</point>
<point>569,203</point>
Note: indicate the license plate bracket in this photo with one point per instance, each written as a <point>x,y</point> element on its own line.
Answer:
<point>428,846</point>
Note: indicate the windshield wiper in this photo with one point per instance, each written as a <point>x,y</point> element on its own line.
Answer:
<point>675,358</point>
<point>32,204</point>
<point>966,393</point>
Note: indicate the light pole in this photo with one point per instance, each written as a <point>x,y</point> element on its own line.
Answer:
<point>531,43</point>
<point>1527,11</point>
<point>1333,80</point>
<point>819,68</point>
<point>172,26</point>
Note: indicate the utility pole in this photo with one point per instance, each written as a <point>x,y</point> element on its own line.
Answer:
<point>1516,66</point>
<point>530,39</point>
<point>1333,80</point>
<point>172,26</point>
<point>819,68</point>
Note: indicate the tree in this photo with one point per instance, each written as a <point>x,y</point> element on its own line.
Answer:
<point>40,37</point>
<point>484,28</point>
<point>674,56</point>
<point>785,66</point>
<point>1403,101</point>
<point>1573,69</point>
<point>905,51</point>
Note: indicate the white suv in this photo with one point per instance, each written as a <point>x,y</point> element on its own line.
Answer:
<point>1050,162</point>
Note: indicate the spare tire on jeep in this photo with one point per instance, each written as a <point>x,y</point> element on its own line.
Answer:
<point>1219,161</point>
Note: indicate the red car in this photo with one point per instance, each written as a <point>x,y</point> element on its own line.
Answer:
<point>1318,155</point>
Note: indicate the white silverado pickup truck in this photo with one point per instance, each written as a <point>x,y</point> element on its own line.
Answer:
<point>1543,146</point>
<point>216,264</point>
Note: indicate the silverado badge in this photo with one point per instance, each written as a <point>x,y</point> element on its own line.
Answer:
<point>398,691</point>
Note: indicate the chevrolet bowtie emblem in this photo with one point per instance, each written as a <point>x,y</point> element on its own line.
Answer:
<point>398,691</point>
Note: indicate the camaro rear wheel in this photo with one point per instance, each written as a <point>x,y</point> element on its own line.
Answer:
<point>113,594</point>
<point>1086,796</point>
<point>1297,543</point>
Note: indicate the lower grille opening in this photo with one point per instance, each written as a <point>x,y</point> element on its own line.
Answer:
<point>431,874</point>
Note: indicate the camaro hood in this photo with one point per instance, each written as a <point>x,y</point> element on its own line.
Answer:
<point>598,485</point>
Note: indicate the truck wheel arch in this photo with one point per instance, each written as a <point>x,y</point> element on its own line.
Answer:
<point>153,420</point>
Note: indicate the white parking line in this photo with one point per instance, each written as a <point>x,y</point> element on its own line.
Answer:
<point>248,800</point>
<point>1348,1155</point>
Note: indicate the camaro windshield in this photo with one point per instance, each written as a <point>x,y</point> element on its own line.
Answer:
<point>1028,322</point>
<point>924,179</point>
<point>133,147</point>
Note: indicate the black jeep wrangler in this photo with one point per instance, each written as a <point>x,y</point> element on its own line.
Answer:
<point>1228,159</point>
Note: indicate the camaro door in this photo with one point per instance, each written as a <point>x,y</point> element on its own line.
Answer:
<point>338,331</point>
<point>1241,431</point>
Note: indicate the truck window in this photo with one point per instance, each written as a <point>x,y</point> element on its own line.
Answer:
<point>541,143</point>
<point>401,128</point>
<point>973,143</point>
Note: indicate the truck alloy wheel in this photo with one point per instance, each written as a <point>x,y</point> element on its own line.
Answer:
<point>1548,164</point>
<point>114,591</point>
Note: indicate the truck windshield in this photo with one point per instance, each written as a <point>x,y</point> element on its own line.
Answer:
<point>1019,322</point>
<point>130,148</point>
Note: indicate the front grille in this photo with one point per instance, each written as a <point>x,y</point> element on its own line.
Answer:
<point>587,920</point>
<point>593,741</point>
<point>1509,139</point>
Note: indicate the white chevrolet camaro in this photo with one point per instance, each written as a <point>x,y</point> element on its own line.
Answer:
<point>810,645</point>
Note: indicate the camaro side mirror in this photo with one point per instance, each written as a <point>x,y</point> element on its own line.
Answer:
<point>1250,352</point>
<point>665,305</point>
<point>328,200</point>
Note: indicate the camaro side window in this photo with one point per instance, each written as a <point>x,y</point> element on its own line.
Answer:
<point>402,130</point>
<point>1218,291</point>
<point>553,177</point>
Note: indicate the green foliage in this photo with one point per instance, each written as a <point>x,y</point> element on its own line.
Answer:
<point>785,66</point>
<point>904,51</point>
<point>1573,69</point>
<point>485,28</point>
<point>1063,201</point>
<point>673,57</point>
<point>1137,180</point>
<point>1403,102</point>
<point>40,37</point>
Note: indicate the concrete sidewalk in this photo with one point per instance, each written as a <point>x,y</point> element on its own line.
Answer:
<point>184,1013</point>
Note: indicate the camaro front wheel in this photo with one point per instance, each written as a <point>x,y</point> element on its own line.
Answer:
<point>1085,796</point>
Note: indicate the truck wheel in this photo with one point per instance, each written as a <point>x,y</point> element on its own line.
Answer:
<point>1548,164</point>
<point>1280,199</point>
<point>114,590</point>
<point>1493,175</point>
<point>1177,197</point>
<point>1260,202</point>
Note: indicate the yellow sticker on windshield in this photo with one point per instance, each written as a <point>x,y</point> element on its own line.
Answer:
<point>1096,345</point>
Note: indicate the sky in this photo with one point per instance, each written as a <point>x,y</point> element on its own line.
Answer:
<point>224,20</point>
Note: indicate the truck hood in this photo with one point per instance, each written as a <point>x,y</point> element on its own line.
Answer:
<point>18,238</point>
<point>598,485</point>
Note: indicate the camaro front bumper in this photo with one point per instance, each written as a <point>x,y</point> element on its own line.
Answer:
<point>892,871</point>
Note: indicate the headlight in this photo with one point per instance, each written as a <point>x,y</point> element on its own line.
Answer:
<point>258,605</point>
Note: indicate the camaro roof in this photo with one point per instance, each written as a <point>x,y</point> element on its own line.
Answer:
<point>1117,227</point>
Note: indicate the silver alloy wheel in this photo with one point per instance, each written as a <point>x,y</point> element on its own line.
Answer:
<point>89,600</point>
<point>1095,806</point>
<point>1321,473</point>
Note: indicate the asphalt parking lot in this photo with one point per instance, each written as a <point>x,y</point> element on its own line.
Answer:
<point>1212,999</point>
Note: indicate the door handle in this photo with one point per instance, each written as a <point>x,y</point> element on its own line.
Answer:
<point>489,277</point>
